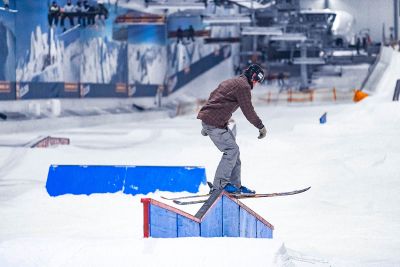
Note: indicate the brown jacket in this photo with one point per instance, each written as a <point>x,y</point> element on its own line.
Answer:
<point>226,99</point>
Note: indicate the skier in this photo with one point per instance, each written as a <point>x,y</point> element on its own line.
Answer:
<point>190,33</point>
<point>90,12</point>
<point>103,11</point>
<point>281,81</point>
<point>358,44</point>
<point>54,13</point>
<point>80,13</point>
<point>179,35</point>
<point>215,114</point>
<point>68,12</point>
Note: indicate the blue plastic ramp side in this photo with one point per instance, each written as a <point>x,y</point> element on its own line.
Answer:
<point>78,180</point>
<point>147,179</point>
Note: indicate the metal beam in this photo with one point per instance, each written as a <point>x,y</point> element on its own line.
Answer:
<point>252,4</point>
<point>226,19</point>
<point>309,61</point>
<point>303,68</point>
<point>176,5</point>
<point>396,19</point>
<point>261,31</point>
<point>294,37</point>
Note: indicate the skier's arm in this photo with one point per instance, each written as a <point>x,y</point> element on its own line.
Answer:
<point>244,99</point>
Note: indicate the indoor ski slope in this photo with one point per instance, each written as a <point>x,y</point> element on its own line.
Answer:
<point>350,216</point>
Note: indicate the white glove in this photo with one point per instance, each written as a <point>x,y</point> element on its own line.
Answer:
<point>263,132</point>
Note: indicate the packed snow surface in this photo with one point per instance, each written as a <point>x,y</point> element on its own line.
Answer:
<point>350,216</point>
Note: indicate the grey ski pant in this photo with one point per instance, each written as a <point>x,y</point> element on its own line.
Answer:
<point>229,168</point>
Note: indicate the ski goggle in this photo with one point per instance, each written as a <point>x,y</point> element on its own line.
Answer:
<point>259,77</point>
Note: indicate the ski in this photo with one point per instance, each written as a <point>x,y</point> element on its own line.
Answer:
<point>185,197</point>
<point>210,185</point>
<point>69,30</point>
<point>243,196</point>
<point>9,10</point>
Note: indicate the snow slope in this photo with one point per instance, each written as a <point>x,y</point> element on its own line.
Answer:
<point>350,216</point>
<point>382,80</point>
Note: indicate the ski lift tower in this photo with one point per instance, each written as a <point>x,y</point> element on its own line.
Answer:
<point>303,61</point>
<point>253,6</point>
<point>259,31</point>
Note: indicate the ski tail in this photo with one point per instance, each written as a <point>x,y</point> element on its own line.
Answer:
<point>180,202</point>
<point>210,185</point>
<point>185,197</point>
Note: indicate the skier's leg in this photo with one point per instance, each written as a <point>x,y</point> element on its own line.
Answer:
<point>56,18</point>
<point>235,176</point>
<point>50,19</point>
<point>71,20</point>
<point>62,24</point>
<point>223,174</point>
<point>225,142</point>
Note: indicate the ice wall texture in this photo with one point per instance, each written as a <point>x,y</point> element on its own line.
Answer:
<point>107,53</point>
<point>100,59</point>
<point>7,45</point>
<point>147,64</point>
<point>80,54</point>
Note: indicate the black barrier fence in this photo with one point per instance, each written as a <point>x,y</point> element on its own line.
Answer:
<point>103,90</point>
<point>7,90</point>
<point>38,90</point>
<point>396,91</point>
<point>43,90</point>
<point>46,90</point>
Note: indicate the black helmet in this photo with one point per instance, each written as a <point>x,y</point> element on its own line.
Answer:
<point>254,73</point>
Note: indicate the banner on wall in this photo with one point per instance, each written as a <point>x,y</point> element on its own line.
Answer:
<point>7,44</point>
<point>7,90</point>
<point>109,51</point>
<point>147,54</point>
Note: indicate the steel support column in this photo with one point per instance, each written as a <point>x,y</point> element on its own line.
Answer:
<point>396,19</point>
<point>326,4</point>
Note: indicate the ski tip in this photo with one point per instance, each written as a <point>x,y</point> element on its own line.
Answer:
<point>304,189</point>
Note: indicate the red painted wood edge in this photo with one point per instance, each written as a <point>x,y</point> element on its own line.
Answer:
<point>146,216</point>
